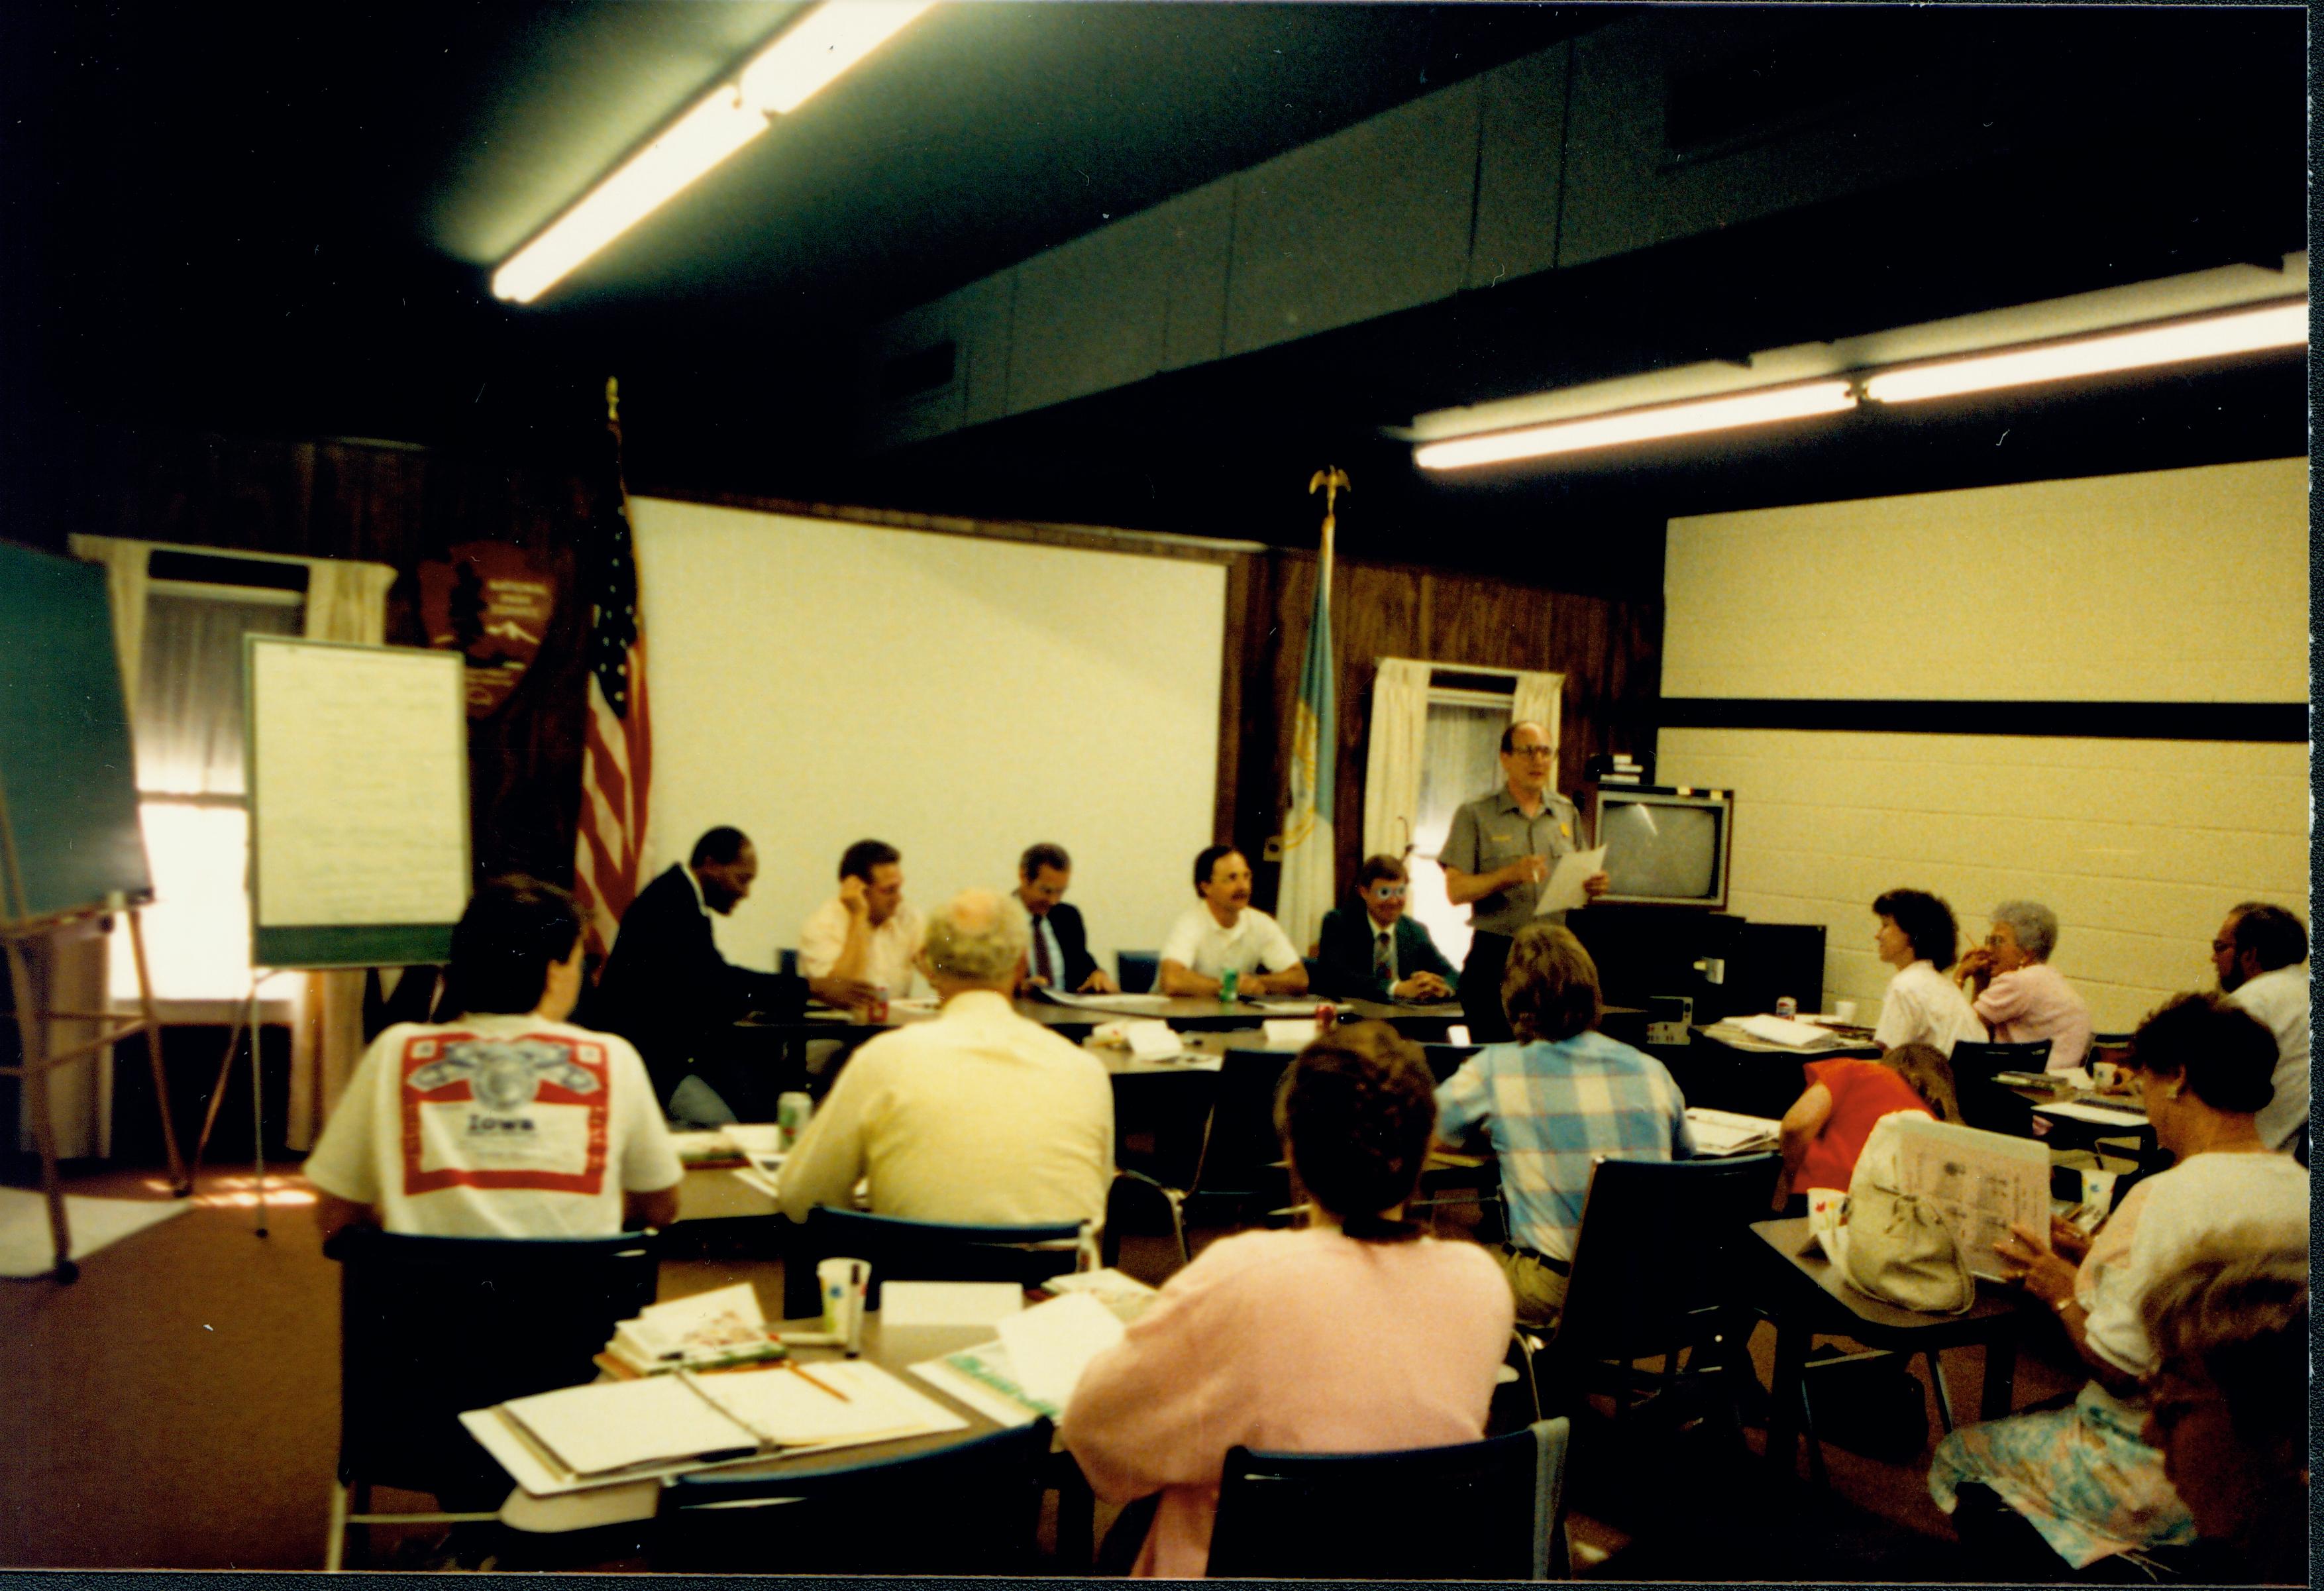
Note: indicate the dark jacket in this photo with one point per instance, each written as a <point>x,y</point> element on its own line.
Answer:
<point>1073,939</point>
<point>1344,955</point>
<point>666,989</point>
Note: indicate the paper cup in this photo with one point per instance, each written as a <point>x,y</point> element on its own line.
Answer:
<point>1843,1011</point>
<point>2106,1074</point>
<point>842,1283</point>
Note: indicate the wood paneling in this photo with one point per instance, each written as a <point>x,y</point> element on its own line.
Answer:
<point>1609,648</point>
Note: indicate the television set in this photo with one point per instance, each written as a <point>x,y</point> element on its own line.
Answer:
<point>1665,846</point>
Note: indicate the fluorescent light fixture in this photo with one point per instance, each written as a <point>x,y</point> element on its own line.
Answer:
<point>829,39</point>
<point>834,37</point>
<point>1762,407</point>
<point>2243,331</point>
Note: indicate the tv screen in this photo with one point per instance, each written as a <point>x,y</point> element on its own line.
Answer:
<point>1664,846</point>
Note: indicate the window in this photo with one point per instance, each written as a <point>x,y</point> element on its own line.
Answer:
<point>1461,762</point>
<point>188,729</point>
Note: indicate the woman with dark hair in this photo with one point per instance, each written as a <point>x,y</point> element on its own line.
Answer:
<point>1356,1334</point>
<point>2084,1478</point>
<point>1918,936</point>
<point>1825,1131</point>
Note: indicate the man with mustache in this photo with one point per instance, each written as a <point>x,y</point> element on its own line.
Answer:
<point>1223,931</point>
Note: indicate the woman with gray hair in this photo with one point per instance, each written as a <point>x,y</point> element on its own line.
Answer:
<point>2017,993</point>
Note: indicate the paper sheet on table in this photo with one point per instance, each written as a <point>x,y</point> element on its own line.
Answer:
<point>2126,1116</point>
<point>1288,1033</point>
<point>1051,1343</point>
<point>1106,1002</point>
<point>948,1303</point>
<point>1785,1030</point>
<point>1152,1041</point>
<point>1563,892</point>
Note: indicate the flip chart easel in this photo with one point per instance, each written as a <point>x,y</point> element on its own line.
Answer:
<point>71,846</point>
<point>358,780</point>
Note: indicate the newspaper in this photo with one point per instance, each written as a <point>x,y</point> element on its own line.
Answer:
<point>1981,1182</point>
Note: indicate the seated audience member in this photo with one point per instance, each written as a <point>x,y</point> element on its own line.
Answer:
<point>976,1116</point>
<point>510,1121</point>
<point>1223,930</point>
<point>1378,953</point>
<point>2018,994</point>
<point>2226,1404</point>
<point>2261,953</point>
<point>1917,936</point>
<point>666,989</point>
<point>1357,1334</point>
<point>1825,1131</point>
<point>865,934</point>
<point>1551,1103</point>
<point>2082,1478</point>
<point>1060,957</point>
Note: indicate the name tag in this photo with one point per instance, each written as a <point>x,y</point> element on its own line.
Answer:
<point>1502,838</point>
<point>1566,830</point>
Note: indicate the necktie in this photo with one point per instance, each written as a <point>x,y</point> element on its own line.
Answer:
<point>1384,956</point>
<point>1041,963</point>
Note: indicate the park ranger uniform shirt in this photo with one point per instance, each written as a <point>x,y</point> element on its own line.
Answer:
<point>1493,831</point>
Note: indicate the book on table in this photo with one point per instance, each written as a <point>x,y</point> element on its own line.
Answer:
<point>708,1331</point>
<point>1725,1131</point>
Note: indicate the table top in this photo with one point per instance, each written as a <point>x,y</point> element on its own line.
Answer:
<point>1190,1012</point>
<point>1792,1241</point>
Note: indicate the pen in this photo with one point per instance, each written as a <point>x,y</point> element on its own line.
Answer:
<point>814,1381</point>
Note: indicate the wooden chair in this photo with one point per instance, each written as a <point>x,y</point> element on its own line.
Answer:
<point>1482,1511</point>
<point>430,1326</point>
<point>968,1509</point>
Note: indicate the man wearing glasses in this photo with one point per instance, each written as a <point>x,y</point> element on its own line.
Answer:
<point>1499,851</point>
<point>1379,953</point>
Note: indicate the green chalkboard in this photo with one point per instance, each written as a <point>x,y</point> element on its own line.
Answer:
<point>69,835</point>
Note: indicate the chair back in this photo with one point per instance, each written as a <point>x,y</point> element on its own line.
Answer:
<point>1989,1104</point>
<point>923,1250</point>
<point>430,1326</point>
<point>1136,970</point>
<point>971,1508</point>
<point>1241,1151</point>
<point>1658,1247</point>
<point>1480,1510</point>
<point>1445,1059</point>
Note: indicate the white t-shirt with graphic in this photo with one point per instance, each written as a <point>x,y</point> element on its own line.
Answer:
<point>502,1125</point>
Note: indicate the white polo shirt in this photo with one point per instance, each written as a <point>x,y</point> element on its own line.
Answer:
<point>2280,1000</point>
<point>1199,944</point>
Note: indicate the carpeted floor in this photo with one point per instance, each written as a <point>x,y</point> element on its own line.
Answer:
<point>177,1408</point>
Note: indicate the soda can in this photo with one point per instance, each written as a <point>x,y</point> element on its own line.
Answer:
<point>876,1010</point>
<point>1326,1015</point>
<point>792,1112</point>
<point>1229,981</point>
<point>1787,1007</point>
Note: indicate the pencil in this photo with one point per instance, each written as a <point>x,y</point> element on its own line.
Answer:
<point>814,1381</point>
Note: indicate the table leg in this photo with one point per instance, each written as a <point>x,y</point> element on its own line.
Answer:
<point>2000,1377</point>
<point>1784,1401</point>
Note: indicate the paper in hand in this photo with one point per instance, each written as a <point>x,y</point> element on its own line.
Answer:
<point>1563,892</point>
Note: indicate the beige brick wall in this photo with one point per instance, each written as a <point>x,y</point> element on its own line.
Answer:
<point>2185,585</point>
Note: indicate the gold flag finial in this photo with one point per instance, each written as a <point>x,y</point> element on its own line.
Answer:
<point>613,400</point>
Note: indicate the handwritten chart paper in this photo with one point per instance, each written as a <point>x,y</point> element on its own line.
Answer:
<point>359,784</point>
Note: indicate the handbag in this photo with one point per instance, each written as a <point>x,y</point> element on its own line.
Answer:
<point>1899,1249</point>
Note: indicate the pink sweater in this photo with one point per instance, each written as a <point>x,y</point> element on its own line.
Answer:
<point>1291,1341</point>
<point>2036,1002</point>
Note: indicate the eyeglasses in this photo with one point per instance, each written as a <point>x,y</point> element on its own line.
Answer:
<point>1534,751</point>
<point>1387,891</point>
<point>2222,947</point>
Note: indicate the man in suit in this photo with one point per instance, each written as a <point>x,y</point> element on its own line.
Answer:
<point>1059,957</point>
<point>1380,953</point>
<point>666,989</point>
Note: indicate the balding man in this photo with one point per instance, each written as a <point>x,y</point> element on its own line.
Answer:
<point>2261,954</point>
<point>1495,857</point>
<point>976,1116</point>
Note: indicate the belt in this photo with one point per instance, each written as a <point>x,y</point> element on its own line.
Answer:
<point>1563,1267</point>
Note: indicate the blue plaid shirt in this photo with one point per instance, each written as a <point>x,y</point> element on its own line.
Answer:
<point>1550,1110</point>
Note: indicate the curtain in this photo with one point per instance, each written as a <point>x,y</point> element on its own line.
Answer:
<point>346,601</point>
<point>80,1095</point>
<point>1399,733</point>
<point>1536,701</point>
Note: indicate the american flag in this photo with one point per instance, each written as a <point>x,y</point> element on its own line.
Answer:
<point>617,759</point>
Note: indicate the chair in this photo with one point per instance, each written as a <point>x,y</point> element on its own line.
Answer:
<point>928,1251</point>
<point>1445,1059</point>
<point>1482,1511</point>
<point>1240,1163</point>
<point>1136,970</point>
<point>430,1326</point>
<point>1989,1104</point>
<point>968,1509</point>
<point>1655,1272</point>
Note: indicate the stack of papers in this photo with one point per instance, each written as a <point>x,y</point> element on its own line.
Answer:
<point>709,1331</point>
<point>1032,1369</point>
<point>1784,1031</point>
<point>733,1144</point>
<point>1726,1132</point>
<point>1127,1297</point>
<point>610,1432</point>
